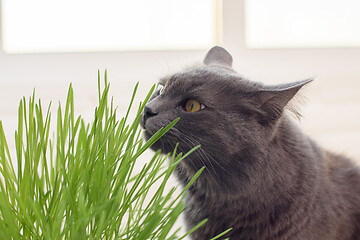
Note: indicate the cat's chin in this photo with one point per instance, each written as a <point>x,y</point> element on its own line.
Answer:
<point>157,145</point>
<point>147,135</point>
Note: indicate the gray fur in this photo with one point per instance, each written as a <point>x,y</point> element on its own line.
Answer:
<point>264,177</point>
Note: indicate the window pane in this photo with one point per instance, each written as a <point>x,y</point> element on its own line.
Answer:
<point>107,25</point>
<point>302,23</point>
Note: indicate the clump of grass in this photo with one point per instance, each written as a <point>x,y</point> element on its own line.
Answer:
<point>79,182</point>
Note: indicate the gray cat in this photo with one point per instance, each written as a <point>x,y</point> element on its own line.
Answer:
<point>264,177</point>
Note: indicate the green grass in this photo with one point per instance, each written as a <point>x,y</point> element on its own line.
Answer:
<point>78,181</point>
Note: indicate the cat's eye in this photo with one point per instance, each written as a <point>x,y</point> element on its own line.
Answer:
<point>193,106</point>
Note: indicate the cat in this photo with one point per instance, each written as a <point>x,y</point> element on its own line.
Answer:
<point>263,177</point>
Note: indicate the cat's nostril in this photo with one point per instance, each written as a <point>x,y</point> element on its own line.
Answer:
<point>148,112</point>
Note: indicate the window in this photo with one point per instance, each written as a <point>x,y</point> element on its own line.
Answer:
<point>38,26</point>
<point>302,23</point>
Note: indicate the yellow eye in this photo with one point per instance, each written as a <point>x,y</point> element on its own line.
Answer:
<point>193,106</point>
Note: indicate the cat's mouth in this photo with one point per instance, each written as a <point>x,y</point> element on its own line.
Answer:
<point>166,143</point>
<point>151,124</point>
<point>142,121</point>
<point>148,133</point>
<point>148,129</point>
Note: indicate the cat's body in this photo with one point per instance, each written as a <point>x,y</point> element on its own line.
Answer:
<point>264,178</point>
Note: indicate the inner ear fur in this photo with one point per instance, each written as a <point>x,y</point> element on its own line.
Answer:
<point>272,100</point>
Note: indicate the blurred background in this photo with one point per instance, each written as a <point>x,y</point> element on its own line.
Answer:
<point>47,45</point>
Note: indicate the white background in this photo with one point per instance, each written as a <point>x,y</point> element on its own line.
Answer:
<point>302,23</point>
<point>106,25</point>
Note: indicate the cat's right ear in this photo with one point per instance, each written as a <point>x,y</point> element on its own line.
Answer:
<point>218,56</point>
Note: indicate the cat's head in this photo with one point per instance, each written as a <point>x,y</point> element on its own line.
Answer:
<point>230,117</point>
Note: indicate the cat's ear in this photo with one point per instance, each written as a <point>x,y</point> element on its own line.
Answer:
<point>274,99</point>
<point>218,56</point>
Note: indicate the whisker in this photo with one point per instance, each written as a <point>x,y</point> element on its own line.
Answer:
<point>209,156</point>
<point>190,160</point>
<point>193,143</point>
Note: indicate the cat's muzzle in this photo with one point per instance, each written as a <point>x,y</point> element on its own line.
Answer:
<point>147,113</point>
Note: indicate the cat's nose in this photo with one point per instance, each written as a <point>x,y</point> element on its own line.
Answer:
<point>147,113</point>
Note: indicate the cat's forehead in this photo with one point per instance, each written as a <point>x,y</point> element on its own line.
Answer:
<point>207,77</point>
<point>197,75</point>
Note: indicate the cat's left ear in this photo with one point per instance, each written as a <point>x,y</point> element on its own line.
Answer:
<point>274,99</point>
<point>218,56</point>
